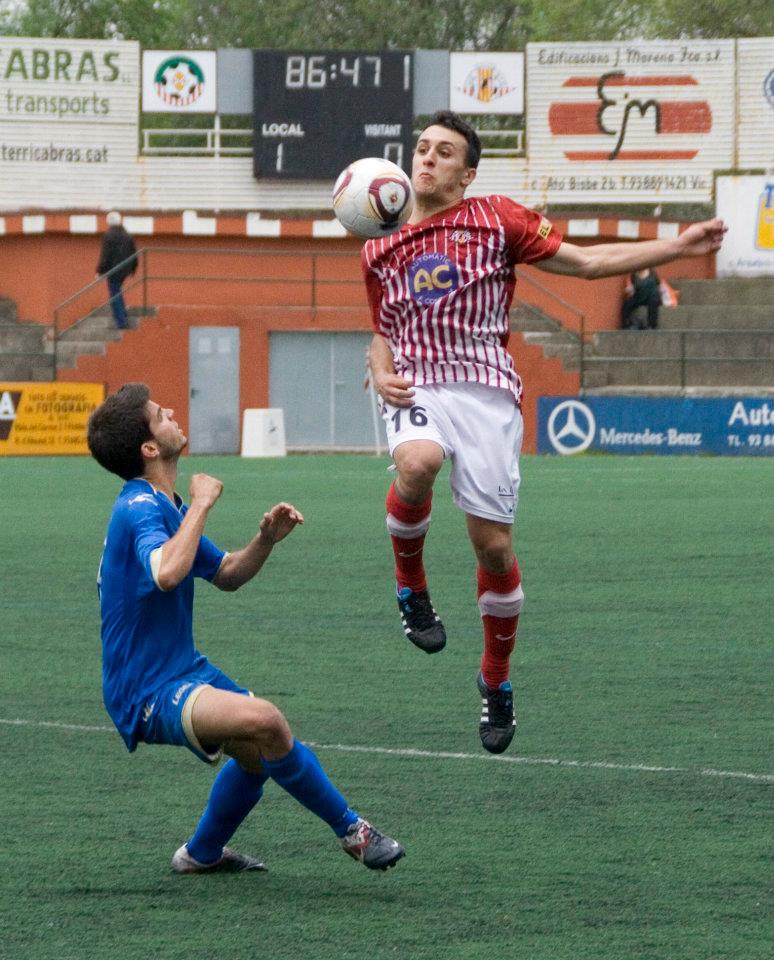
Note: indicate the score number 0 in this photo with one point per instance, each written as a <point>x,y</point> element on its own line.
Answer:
<point>392,151</point>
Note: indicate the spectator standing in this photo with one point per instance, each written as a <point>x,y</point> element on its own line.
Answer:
<point>117,260</point>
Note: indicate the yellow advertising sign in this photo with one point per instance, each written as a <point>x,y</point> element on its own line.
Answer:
<point>764,239</point>
<point>46,418</point>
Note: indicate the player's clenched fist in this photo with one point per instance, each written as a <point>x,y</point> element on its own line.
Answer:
<point>205,489</point>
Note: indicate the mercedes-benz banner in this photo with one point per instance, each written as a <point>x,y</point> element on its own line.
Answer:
<point>719,425</point>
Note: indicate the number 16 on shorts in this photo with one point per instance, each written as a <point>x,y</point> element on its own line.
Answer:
<point>417,422</point>
<point>416,415</point>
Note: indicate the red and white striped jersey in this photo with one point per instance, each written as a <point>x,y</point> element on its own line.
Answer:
<point>440,290</point>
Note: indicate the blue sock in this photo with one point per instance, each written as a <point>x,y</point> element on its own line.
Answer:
<point>234,794</point>
<point>300,773</point>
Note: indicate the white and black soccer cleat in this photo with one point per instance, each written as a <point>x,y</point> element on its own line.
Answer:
<point>421,623</point>
<point>498,721</point>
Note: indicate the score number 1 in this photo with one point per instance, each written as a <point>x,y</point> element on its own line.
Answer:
<point>392,151</point>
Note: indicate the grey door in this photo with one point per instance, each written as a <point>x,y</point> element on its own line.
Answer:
<point>213,376</point>
<point>317,379</point>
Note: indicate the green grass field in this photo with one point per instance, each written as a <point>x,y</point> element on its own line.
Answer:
<point>629,821</point>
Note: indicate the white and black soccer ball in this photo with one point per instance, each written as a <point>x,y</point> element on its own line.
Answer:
<point>372,197</point>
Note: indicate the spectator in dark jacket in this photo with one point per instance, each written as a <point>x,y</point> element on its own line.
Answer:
<point>116,250</point>
<point>643,289</point>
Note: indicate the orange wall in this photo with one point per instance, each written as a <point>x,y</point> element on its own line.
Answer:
<point>157,353</point>
<point>41,271</point>
<point>219,286</point>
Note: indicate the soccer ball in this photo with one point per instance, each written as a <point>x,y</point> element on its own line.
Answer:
<point>372,197</point>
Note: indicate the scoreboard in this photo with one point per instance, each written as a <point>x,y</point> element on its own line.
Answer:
<point>317,111</point>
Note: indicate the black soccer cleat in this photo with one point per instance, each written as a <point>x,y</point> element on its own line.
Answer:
<point>421,623</point>
<point>498,722</point>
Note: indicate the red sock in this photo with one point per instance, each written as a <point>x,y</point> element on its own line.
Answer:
<point>499,599</point>
<point>408,523</point>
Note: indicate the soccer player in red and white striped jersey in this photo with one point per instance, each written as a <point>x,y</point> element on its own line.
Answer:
<point>440,291</point>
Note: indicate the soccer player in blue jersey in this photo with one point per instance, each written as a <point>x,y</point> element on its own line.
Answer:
<point>157,687</point>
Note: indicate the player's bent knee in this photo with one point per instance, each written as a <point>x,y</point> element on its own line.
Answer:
<point>267,724</point>
<point>261,716</point>
<point>418,464</point>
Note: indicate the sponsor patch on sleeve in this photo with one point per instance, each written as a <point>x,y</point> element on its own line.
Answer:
<point>544,229</point>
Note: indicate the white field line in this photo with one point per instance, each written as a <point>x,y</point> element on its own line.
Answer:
<point>445,755</point>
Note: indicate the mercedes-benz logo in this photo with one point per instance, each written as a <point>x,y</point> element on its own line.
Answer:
<point>571,427</point>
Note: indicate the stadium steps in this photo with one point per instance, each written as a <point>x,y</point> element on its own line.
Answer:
<point>25,348</point>
<point>90,336</point>
<point>717,316</point>
<point>540,330</point>
<point>732,292</point>
<point>726,326</point>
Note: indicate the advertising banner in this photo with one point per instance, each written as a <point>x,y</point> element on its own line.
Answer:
<point>175,81</point>
<point>68,121</point>
<point>46,418</point>
<point>485,82</point>
<point>755,96</point>
<point>727,426</point>
<point>747,206</point>
<point>629,121</point>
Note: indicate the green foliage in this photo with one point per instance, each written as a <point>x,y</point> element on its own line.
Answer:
<point>714,18</point>
<point>152,22</point>
<point>370,24</point>
<point>363,24</point>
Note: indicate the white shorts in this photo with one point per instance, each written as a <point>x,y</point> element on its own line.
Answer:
<point>480,430</point>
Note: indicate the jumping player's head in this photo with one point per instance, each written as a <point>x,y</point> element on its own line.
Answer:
<point>445,160</point>
<point>129,432</point>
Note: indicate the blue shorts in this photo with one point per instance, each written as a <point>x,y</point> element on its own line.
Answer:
<point>166,716</point>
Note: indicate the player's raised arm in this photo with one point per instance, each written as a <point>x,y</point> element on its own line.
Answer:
<point>176,557</point>
<point>241,566</point>
<point>612,259</point>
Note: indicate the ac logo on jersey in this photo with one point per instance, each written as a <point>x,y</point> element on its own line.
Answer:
<point>432,276</point>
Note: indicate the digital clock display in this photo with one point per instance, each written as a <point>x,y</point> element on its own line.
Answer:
<point>317,111</point>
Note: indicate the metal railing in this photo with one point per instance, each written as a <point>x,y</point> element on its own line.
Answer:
<point>216,141</point>
<point>219,141</point>
<point>531,292</point>
<point>91,287</point>
<point>576,317</point>
<point>86,302</point>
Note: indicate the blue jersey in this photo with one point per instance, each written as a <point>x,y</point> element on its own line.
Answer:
<point>147,633</point>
